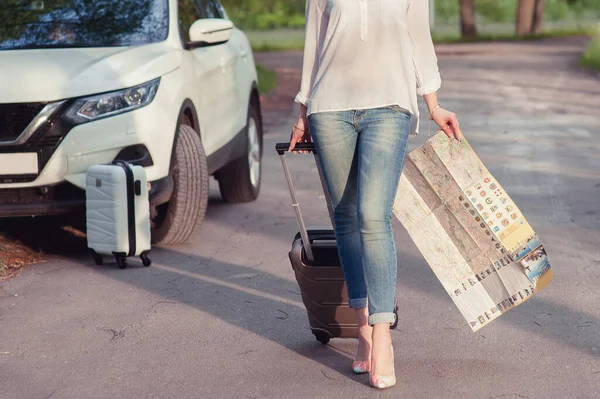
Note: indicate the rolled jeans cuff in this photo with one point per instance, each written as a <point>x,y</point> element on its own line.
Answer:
<point>358,303</point>
<point>380,318</point>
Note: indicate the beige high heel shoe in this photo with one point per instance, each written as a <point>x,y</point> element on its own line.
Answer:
<point>384,381</point>
<point>361,366</point>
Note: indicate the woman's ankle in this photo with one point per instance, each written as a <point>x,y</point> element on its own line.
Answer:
<point>365,332</point>
<point>362,317</point>
<point>365,336</point>
<point>382,362</point>
<point>382,331</point>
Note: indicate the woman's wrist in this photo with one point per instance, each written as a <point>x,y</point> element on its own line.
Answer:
<point>300,126</point>
<point>303,111</point>
<point>431,100</point>
<point>433,110</point>
<point>302,118</point>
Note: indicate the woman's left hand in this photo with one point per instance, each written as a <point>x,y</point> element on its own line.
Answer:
<point>448,123</point>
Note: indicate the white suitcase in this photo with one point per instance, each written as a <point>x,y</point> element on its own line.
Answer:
<point>118,212</point>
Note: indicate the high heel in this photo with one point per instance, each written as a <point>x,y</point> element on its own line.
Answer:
<point>361,366</point>
<point>384,381</point>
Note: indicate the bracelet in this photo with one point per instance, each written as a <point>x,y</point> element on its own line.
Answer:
<point>297,128</point>
<point>433,111</point>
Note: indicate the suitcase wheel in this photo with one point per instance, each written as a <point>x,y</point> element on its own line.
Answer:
<point>145,260</point>
<point>322,337</point>
<point>97,258</point>
<point>121,260</point>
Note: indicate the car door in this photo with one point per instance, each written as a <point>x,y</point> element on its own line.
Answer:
<point>206,80</point>
<point>228,58</point>
<point>244,72</point>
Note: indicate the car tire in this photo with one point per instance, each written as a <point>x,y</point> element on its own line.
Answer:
<point>239,181</point>
<point>176,219</point>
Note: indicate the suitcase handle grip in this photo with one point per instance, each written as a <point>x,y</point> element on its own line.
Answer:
<point>317,236</point>
<point>283,147</point>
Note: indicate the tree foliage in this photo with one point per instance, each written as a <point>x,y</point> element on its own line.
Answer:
<point>267,14</point>
<point>79,22</point>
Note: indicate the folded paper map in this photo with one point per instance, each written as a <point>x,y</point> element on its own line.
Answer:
<point>474,237</point>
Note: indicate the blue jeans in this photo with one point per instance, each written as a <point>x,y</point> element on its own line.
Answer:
<point>362,154</point>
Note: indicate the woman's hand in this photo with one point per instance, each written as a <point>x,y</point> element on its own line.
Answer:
<point>448,123</point>
<point>300,133</point>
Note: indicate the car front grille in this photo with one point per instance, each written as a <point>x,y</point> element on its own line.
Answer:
<point>40,195</point>
<point>49,141</point>
<point>14,118</point>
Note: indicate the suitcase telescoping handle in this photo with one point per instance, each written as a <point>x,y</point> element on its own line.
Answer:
<point>310,147</point>
<point>282,148</point>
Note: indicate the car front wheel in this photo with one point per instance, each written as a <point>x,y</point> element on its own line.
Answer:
<point>174,221</point>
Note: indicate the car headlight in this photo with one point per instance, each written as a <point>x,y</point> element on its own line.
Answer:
<point>99,106</point>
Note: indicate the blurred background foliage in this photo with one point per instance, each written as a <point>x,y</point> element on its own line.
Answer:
<point>273,14</point>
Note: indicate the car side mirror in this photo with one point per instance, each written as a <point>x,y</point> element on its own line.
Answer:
<point>210,32</point>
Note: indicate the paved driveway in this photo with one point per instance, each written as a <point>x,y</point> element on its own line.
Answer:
<point>221,317</point>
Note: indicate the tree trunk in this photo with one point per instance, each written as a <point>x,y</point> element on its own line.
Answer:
<point>467,18</point>
<point>525,14</point>
<point>538,17</point>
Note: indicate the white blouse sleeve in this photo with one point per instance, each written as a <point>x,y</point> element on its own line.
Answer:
<point>424,58</point>
<point>314,27</point>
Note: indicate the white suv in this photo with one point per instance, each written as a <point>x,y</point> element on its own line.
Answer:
<point>166,84</point>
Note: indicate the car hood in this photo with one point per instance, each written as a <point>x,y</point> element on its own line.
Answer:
<point>55,74</point>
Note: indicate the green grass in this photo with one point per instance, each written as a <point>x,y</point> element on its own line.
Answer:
<point>267,79</point>
<point>293,39</point>
<point>591,58</point>
<point>510,37</point>
<point>277,40</point>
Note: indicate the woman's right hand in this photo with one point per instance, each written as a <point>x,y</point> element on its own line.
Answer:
<point>300,133</point>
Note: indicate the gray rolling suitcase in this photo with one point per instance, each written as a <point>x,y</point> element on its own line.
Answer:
<point>316,265</point>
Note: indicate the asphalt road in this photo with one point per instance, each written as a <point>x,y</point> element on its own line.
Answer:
<point>221,317</point>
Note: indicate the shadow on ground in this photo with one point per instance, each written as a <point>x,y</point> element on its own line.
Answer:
<point>259,301</point>
<point>206,284</point>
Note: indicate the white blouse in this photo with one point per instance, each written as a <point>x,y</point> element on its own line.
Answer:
<point>362,54</point>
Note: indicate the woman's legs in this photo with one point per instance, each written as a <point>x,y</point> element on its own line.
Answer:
<point>382,143</point>
<point>336,138</point>
<point>362,154</point>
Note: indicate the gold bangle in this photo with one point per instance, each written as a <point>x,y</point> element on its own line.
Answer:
<point>297,128</point>
<point>433,111</point>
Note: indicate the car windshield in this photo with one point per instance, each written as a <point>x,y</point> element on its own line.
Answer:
<point>28,24</point>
